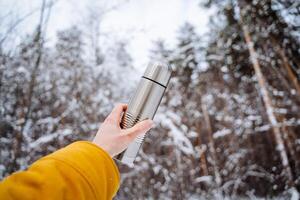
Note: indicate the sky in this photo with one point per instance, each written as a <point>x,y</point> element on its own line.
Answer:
<point>140,22</point>
<point>153,20</point>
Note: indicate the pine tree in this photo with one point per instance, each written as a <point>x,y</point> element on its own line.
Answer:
<point>260,24</point>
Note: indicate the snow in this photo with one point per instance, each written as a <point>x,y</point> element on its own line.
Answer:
<point>179,138</point>
<point>193,134</point>
<point>215,57</point>
<point>49,138</point>
<point>206,179</point>
<point>254,117</point>
<point>76,87</point>
<point>295,194</point>
<point>280,110</point>
<point>221,133</point>
<point>156,169</point>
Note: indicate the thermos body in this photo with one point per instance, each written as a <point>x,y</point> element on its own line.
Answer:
<point>143,105</point>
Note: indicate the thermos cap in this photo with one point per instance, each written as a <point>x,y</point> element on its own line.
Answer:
<point>159,72</point>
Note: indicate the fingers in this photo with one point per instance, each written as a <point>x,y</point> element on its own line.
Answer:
<point>138,129</point>
<point>115,115</point>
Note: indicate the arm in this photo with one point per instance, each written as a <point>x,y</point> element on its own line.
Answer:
<point>79,171</point>
<point>82,170</point>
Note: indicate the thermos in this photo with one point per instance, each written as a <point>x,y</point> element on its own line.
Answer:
<point>143,105</point>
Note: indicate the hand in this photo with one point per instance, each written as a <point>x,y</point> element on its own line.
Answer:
<point>112,138</point>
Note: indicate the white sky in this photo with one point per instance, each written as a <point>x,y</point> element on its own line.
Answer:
<point>139,21</point>
<point>154,19</point>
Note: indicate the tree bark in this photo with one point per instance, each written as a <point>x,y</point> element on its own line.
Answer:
<point>289,70</point>
<point>211,145</point>
<point>38,40</point>
<point>203,163</point>
<point>268,104</point>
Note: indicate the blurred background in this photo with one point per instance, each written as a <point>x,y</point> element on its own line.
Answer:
<point>229,124</point>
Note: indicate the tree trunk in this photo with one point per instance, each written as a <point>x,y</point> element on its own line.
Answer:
<point>38,45</point>
<point>268,104</point>
<point>278,72</point>
<point>211,145</point>
<point>290,138</point>
<point>289,70</point>
<point>203,163</point>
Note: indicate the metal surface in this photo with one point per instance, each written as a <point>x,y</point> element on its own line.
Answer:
<point>143,105</point>
<point>158,72</point>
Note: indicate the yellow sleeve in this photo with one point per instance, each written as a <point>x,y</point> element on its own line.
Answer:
<point>80,171</point>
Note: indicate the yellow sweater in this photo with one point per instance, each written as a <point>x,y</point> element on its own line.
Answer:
<point>79,171</point>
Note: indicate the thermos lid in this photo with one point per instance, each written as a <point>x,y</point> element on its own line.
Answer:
<point>159,72</point>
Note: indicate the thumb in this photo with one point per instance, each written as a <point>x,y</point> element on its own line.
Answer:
<point>140,128</point>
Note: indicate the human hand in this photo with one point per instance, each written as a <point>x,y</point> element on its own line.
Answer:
<point>112,138</point>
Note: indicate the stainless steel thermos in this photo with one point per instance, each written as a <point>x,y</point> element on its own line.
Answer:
<point>143,105</point>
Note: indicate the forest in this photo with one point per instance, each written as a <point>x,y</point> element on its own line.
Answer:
<point>228,126</point>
